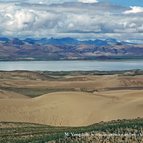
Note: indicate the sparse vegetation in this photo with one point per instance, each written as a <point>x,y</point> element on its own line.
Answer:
<point>33,92</point>
<point>123,131</point>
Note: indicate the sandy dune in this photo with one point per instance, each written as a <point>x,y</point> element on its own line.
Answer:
<point>85,99</point>
<point>11,95</point>
<point>74,108</point>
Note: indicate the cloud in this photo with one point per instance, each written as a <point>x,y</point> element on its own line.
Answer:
<point>39,1</point>
<point>78,19</point>
<point>48,1</point>
<point>134,9</point>
<point>51,1</point>
<point>88,1</point>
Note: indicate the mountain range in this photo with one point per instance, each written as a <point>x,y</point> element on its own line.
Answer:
<point>67,49</point>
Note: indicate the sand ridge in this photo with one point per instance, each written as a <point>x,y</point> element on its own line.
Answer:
<point>73,108</point>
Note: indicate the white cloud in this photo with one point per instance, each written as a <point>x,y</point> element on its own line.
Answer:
<point>51,1</point>
<point>69,20</point>
<point>47,1</point>
<point>88,1</point>
<point>134,9</point>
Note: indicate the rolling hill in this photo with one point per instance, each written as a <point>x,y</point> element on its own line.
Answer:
<point>73,108</point>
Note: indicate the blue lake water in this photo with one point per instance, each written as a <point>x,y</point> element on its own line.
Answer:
<point>71,65</point>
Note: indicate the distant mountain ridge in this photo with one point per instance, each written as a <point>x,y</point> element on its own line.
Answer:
<point>67,48</point>
<point>60,41</point>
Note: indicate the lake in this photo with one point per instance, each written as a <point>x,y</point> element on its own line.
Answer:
<point>71,65</point>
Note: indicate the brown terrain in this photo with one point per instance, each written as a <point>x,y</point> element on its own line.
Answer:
<point>67,48</point>
<point>70,99</point>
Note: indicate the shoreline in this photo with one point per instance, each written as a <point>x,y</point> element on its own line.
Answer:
<point>94,72</point>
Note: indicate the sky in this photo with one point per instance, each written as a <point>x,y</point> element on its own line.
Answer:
<point>81,19</point>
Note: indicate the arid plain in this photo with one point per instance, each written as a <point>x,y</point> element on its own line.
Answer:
<point>70,98</point>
